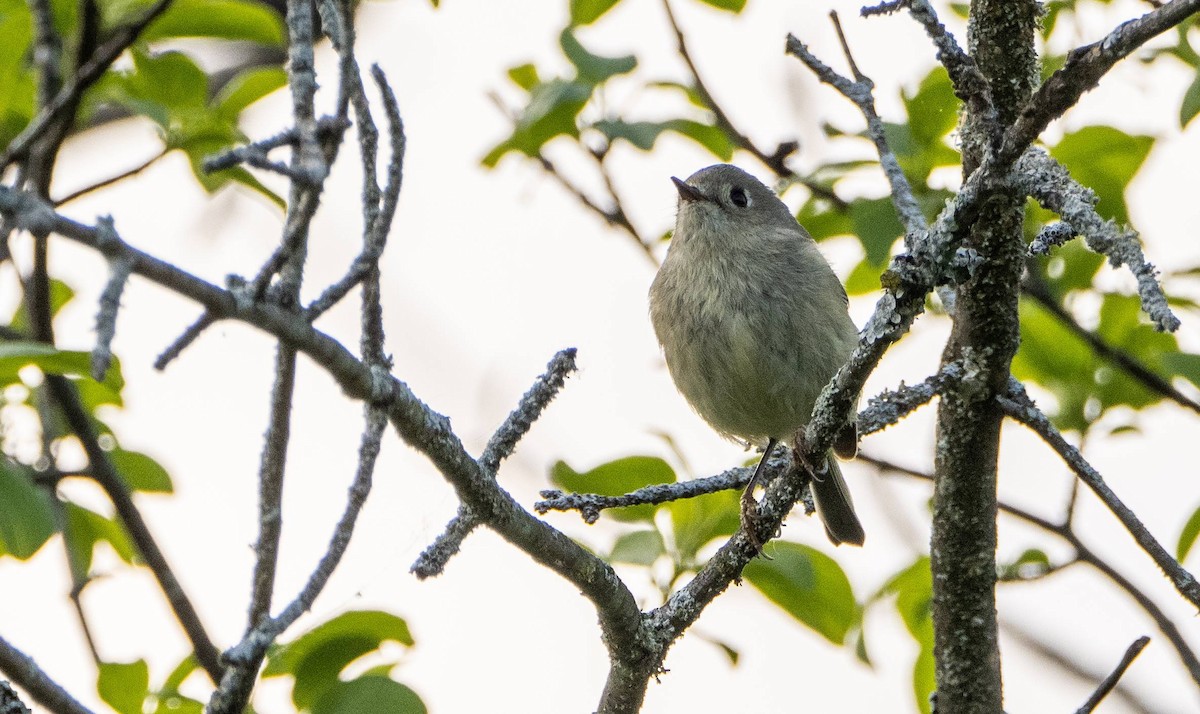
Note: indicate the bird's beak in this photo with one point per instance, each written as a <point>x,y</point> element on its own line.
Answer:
<point>688,192</point>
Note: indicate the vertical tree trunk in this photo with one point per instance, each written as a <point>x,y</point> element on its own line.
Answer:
<point>985,333</point>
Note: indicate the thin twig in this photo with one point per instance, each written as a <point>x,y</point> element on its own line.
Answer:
<point>1019,406</point>
<point>80,193</point>
<point>359,490</point>
<point>47,51</point>
<point>379,207</point>
<point>1119,357</point>
<point>860,93</point>
<point>776,160</point>
<point>106,316</point>
<point>182,342</point>
<point>614,217</point>
<point>1048,649</point>
<point>889,407</point>
<point>590,505</point>
<point>115,487</point>
<point>968,81</point>
<point>328,128</point>
<point>306,159</point>
<point>433,559</point>
<point>1111,680</point>
<point>1084,554</point>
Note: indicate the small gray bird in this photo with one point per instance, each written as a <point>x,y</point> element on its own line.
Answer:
<point>753,323</point>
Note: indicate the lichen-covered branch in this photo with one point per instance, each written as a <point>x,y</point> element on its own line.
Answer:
<point>1049,183</point>
<point>433,559</point>
<point>1082,71</point>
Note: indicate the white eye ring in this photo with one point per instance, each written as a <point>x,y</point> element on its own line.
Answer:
<point>739,197</point>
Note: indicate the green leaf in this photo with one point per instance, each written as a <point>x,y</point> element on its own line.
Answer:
<point>864,278</point>
<point>822,219</point>
<point>808,585</point>
<point>637,548</point>
<point>734,6</point>
<point>199,146</point>
<point>123,686</point>
<point>178,704</point>
<point>1187,537</point>
<point>168,698</point>
<point>219,19</point>
<point>924,682</point>
<point>140,472</point>
<point>15,356</point>
<point>1054,357</point>
<point>1071,267</point>
<point>369,694</point>
<point>913,587</point>
<point>524,76</point>
<point>92,394</point>
<point>1183,364</point>
<point>710,137</point>
<point>1030,564</point>
<point>85,529</point>
<point>316,658</point>
<point>585,12</point>
<point>697,521</point>
<point>551,112</point>
<point>916,157</point>
<point>171,79</point>
<point>27,516</point>
<point>876,225</point>
<point>1190,106</point>
<point>617,478</point>
<point>248,87</point>
<point>17,89</point>
<point>641,134</point>
<point>60,295</point>
<point>689,91</point>
<point>1123,324</point>
<point>182,671</point>
<point>1105,160</point>
<point>933,109</point>
<point>593,69</point>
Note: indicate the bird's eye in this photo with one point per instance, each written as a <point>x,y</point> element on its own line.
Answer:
<point>738,197</point>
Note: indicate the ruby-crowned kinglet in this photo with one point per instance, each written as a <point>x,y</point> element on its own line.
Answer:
<point>754,323</point>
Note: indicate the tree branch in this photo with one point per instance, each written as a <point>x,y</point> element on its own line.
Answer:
<point>415,422</point>
<point>1110,682</point>
<point>1119,357</point>
<point>1083,69</point>
<point>433,559</point>
<point>1017,404</point>
<point>1084,554</point>
<point>28,676</point>
<point>89,72</point>
<point>1048,182</point>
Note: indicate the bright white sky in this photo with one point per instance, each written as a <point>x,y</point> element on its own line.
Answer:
<point>487,275</point>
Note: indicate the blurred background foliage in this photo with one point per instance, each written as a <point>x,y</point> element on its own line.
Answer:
<point>1088,348</point>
